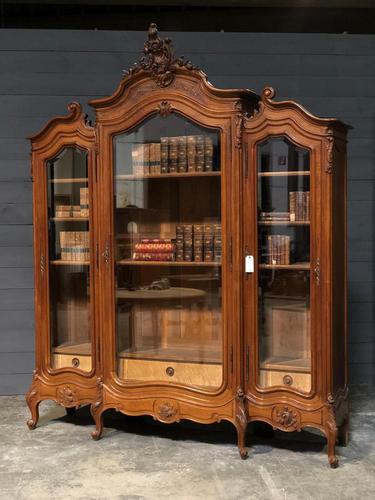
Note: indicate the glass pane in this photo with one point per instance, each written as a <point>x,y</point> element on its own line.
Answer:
<point>69,259</point>
<point>284,265</point>
<point>168,262</point>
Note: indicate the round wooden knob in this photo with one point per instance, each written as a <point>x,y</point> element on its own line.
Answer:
<point>170,371</point>
<point>75,362</point>
<point>288,380</point>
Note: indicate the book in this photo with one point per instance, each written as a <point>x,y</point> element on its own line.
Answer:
<point>152,256</point>
<point>278,250</point>
<point>154,247</point>
<point>164,147</point>
<point>182,153</point>
<point>191,152</point>
<point>208,153</point>
<point>74,246</point>
<point>84,201</point>
<point>299,205</point>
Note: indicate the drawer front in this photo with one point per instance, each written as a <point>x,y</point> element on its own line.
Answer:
<point>204,375</point>
<point>71,361</point>
<point>294,380</point>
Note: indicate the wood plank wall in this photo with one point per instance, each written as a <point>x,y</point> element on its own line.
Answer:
<point>43,70</point>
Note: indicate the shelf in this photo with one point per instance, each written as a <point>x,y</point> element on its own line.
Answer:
<point>284,223</point>
<point>68,181</point>
<point>282,363</point>
<point>83,349</point>
<point>69,219</point>
<point>174,175</point>
<point>69,263</point>
<point>129,262</point>
<point>208,353</point>
<point>290,173</point>
<point>298,265</point>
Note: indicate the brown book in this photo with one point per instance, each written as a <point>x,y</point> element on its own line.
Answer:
<point>182,153</point>
<point>164,147</point>
<point>149,256</point>
<point>154,247</point>
<point>292,205</point>
<point>157,158</point>
<point>208,153</point>
<point>307,212</point>
<point>191,152</point>
<point>84,201</point>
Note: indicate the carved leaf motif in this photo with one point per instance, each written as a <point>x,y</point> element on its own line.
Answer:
<point>164,108</point>
<point>330,143</point>
<point>67,396</point>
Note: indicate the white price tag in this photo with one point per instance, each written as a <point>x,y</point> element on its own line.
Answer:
<point>249,264</point>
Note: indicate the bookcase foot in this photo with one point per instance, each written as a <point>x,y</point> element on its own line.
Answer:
<point>97,415</point>
<point>33,402</point>
<point>331,448</point>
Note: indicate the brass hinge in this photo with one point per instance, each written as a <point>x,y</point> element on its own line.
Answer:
<point>105,254</point>
<point>246,162</point>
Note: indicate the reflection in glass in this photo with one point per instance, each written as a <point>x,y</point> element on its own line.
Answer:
<point>169,250</point>
<point>284,265</point>
<point>69,259</point>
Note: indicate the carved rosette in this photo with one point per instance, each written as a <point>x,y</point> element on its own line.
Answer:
<point>286,418</point>
<point>164,109</point>
<point>67,396</point>
<point>166,411</point>
<point>159,60</point>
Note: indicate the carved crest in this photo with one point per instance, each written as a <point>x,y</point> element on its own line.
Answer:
<point>159,59</point>
<point>164,109</point>
<point>167,411</point>
<point>288,419</point>
<point>67,396</point>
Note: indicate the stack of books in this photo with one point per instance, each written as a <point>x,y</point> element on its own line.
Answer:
<point>299,205</point>
<point>75,246</point>
<point>84,201</point>
<point>66,211</point>
<point>146,158</point>
<point>174,154</point>
<point>274,216</point>
<point>278,249</point>
<point>198,242</point>
<point>154,249</point>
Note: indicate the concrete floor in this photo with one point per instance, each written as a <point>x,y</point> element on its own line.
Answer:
<point>139,458</point>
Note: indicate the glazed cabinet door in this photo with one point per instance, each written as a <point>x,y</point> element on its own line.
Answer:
<point>67,259</point>
<point>281,292</point>
<point>168,248</point>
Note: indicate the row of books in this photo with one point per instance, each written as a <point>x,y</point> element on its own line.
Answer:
<point>299,209</point>
<point>299,205</point>
<point>81,210</point>
<point>75,246</point>
<point>198,242</point>
<point>156,249</point>
<point>174,154</point>
<point>278,249</point>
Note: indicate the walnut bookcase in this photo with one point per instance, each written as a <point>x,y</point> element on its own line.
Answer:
<point>190,256</point>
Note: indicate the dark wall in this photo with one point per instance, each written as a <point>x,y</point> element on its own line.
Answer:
<point>42,71</point>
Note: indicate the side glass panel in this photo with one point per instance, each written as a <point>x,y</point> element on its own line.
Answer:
<point>167,185</point>
<point>69,259</point>
<point>284,265</point>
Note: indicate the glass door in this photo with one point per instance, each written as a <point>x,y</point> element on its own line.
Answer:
<point>69,259</point>
<point>168,274</point>
<point>283,172</point>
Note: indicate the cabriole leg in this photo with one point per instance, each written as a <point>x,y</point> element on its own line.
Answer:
<point>241,424</point>
<point>331,433</point>
<point>97,415</point>
<point>33,403</point>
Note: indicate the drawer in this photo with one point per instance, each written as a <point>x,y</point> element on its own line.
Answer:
<point>295,380</point>
<point>72,361</point>
<point>193,374</point>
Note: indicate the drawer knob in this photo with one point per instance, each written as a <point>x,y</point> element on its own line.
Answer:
<point>75,362</point>
<point>288,380</point>
<point>170,371</point>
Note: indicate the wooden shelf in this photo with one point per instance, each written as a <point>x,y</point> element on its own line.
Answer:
<point>298,265</point>
<point>129,262</point>
<point>284,223</point>
<point>207,353</point>
<point>69,263</point>
<point>68,181</point>
<point>69,219</point>
<point>281,363</point>
<point>83,349</point>
<point>290,173</point>
<point>174,175</point>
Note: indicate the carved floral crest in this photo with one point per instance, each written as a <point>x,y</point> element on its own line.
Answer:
<point>167,411</point>
<point>287,418</point>
<point>67,396</point>
<point>159,59</point>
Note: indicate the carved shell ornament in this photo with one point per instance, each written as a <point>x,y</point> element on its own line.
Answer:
<point>159,59</point>
<point>287,418</point>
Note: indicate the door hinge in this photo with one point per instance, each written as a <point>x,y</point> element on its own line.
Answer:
<point>246,162</point>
